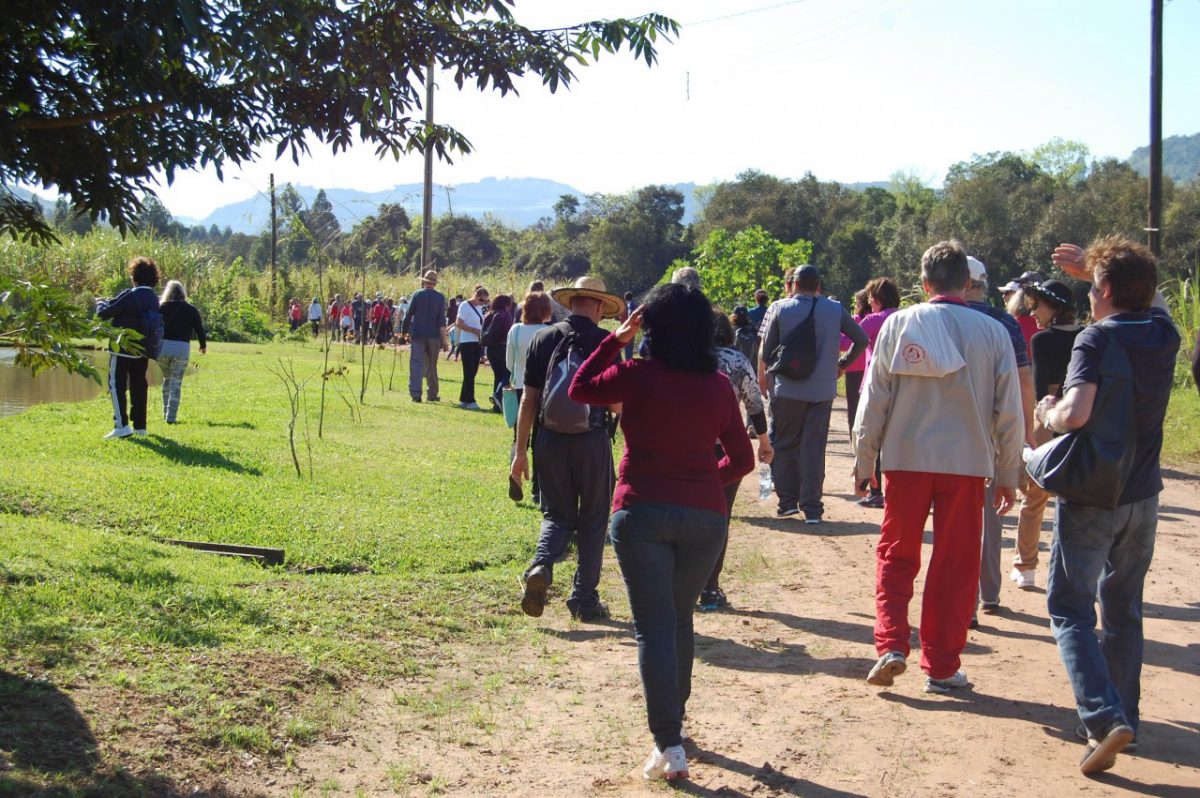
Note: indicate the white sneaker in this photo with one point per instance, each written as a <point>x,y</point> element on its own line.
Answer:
<point>141,432</point>
<point>119,432</point>
<point>1024,579</point>
<point>886,669</point>
<point>670,764</point>
<point>955,682</point>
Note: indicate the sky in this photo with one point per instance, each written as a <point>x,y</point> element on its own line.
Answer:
<point>850,90</point>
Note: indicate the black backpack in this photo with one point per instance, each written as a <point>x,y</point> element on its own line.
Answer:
<point>796,357</point>
<point>152,329</point>
<point>746,341</point>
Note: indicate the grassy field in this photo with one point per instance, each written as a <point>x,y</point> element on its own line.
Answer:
<point>111,635</point>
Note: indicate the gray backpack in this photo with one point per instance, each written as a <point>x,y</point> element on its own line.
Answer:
<point>560,413</point>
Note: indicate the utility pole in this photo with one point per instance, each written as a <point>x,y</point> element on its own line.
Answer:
<point>274,239</point>
<point>1154,227</point>
<point>427,198</point>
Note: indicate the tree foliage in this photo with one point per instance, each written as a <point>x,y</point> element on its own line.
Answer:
<point>733,266</point>
<point>98,99</point>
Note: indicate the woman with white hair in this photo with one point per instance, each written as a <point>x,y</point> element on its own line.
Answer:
<point>180,321</point>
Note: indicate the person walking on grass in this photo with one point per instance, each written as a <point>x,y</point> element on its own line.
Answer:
<point>425,326</point>
<point>942,402</point>
<point>1100,554</point>
<point>800,406</point>
<point>535,312</point>
<point>181,321</point>
<point>295,314</point>
<point>497,323</point>
<point>669,509</point>
<point>314,316</point>
<point>470,350</point>
<point>126,370</point>
<point>883,297</point>
<point>573,450</point>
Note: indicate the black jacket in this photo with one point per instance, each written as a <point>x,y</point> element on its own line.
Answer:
<point>127,308</point>
<point>181,320</point>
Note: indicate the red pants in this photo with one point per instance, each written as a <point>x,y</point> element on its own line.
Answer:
<point>953,577</point>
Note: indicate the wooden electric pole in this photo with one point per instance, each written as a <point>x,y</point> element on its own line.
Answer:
<point>274,239</point>
<point>427,198</point>
<point>1154,227</point>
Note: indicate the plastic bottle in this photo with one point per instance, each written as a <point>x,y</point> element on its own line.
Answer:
<point>766,486</point>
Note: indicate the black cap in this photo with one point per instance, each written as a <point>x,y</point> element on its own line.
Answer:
<point>808,272</point>
<point>1031,277</point>
<point>1053,290</point>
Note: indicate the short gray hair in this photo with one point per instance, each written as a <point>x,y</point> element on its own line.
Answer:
<point>944,267</point>
<point>688,276</point>
<point>173,291</point>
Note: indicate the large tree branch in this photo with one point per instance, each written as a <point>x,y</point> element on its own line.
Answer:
<point>44,123</point>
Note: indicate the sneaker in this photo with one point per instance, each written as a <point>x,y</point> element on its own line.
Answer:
<point>597,613</point>
<point>990,607</point>
<point>955,682</point>
<point>670,764</point>
<point>417,399</point>
<point>141,432</point>
<point>537,583</point>
<point>812,519</point>
<point>974,624</point>
<point>468,405</point>
<point>1024,579</point>
<point>1081,732</point>
<point>514,490</point>
<point>784,512</point>
<point>711,600</point>
<point>433,399</point>
<point>1103,755</point>
<point>875,501</point>
<point>886,669</point>
<point>119,432</point>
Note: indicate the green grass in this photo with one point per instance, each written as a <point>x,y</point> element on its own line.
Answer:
<point>230,656</point>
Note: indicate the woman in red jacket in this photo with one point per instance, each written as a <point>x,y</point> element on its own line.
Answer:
<point>668,522</point>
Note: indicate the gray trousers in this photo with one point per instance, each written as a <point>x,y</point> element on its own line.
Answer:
<point>989,552</point>
<point>799,432</point>
<point>423,362</point>
<point>173,368</point>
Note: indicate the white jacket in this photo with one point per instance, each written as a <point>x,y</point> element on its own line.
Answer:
<point>942,396</point>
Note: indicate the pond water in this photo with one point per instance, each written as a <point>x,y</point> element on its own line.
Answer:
<point>19,389</point>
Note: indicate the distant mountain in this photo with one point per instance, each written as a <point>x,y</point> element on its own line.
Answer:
<point>1181,158</point>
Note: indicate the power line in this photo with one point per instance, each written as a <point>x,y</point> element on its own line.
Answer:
<point>743,13</point>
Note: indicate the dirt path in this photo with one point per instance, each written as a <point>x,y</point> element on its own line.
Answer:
<point>780,705</point>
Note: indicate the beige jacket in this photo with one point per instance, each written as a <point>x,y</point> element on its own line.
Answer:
<point>941,396</point>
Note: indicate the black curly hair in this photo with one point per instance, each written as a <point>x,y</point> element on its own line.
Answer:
<point>680,326</point>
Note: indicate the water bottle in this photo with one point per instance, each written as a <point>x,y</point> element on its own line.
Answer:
<point>766,486</point>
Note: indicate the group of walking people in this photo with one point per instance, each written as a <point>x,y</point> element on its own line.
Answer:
<point>166,326</point>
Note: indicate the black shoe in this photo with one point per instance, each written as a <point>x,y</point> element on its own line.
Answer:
<point>599,612</point>
<point>711,600</point>
<point>417,399</point>
<point>974,624</point>
<point>514,490</point>
<point>812,519</point>
<point>784,512</point>
<point>433,399</point>
<point>537,584</point>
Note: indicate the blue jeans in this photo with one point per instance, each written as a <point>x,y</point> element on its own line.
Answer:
<point>666,553</point>
<point>1105,553</point>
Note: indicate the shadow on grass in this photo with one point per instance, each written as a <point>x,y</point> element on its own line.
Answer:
<point>187,455</point>
<point>43,730</point>
<point>230,424</point>
<point>776,782</point>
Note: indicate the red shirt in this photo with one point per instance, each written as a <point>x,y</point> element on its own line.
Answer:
<point>670,419</point>
<point>1029,328</point>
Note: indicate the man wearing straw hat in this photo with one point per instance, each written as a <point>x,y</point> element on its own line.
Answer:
<point>425,324</point>
<point>575,469</point>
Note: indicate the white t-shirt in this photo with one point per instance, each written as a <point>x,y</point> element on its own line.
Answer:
<point>314,311</point>
<point>516,351</point>
<point>472,316</point>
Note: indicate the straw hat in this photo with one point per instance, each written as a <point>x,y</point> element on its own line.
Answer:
<point>430,277</point>
<point>611,305</point>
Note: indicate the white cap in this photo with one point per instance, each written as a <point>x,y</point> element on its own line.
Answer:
<point>978,270</point>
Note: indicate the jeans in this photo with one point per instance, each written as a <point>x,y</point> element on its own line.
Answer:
<point>575,478</point>
<point>799,433</point>
<point>666,552</point>
<point>173,368</point>
<point>1106,554</point>
<point>422,362</point>
<point>470,353</point>
<point>854,381</point>
<point>500,373</point>
<point>128,375</point>
<point>989,550</point>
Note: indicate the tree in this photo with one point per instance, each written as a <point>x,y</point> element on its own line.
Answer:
<point>382,241</point>
<point>69,220</point>
<point>639,237</point>
<point>460,241</point>
<point>733,266</point>
<point>321,221</point>
<point>153,217</point>
<point>97,99</point>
